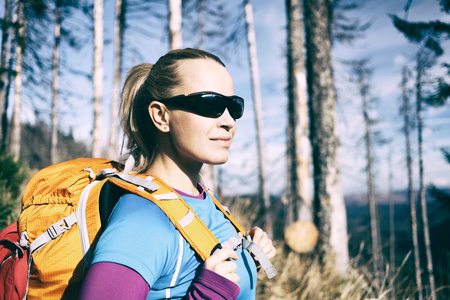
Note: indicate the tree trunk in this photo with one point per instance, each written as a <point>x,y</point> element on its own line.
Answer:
<point>54,127</point>
<point>175,21</point>
<point>422,199</point>
<point>16,127</point>
<point>10,74</point>
<point>253,59</point>
<point>412,203</point>
<point>298,184</point>
<point>391,230</point>
<point>201,23</point>
<point>98,78</point>
<point>330,214</point>
<point>118,33</point>
<point>207,171</point>
<point>361,70</point>
<point>6,27</point>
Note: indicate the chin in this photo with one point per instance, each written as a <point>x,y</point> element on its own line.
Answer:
<point>217,161</point>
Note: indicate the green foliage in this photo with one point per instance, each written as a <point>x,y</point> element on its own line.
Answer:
<point>440,95</point>
<point>12,176</point>
<point>427,32</point>
<point>345,29</point>
<point>441,196</point>
<point>445,5</point>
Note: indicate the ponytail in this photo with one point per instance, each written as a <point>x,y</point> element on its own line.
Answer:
<point>136,123</point>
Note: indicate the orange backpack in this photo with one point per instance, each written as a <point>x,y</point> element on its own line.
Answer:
<point>64,211</point>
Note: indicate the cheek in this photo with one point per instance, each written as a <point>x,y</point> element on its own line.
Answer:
<point>189,129</point>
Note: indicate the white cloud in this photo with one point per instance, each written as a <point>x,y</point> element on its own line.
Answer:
<point>400,60</point>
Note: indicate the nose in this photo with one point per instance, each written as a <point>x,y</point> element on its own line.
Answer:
<point>226,120</point>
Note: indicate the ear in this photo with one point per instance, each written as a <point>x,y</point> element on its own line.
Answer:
<point>160,116</point>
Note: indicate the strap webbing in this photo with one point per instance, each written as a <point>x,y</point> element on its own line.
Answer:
<point>146,183</point>
<point>53,232</point>
<point>265,263</point>
<point>191,227</point>
<point>235,243</point>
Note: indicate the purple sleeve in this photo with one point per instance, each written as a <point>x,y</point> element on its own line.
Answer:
<point>210,285</point>
<point>113,281</point>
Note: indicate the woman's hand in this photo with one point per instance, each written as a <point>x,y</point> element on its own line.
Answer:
<point>261,238</point>
<point>219,263</point>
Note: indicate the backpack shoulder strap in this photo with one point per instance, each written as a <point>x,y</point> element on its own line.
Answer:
<point>227,214</point>
<point>191,227</point>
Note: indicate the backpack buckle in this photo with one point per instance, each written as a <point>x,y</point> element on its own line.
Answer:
<point>57,228</point>
<point>105,172</point>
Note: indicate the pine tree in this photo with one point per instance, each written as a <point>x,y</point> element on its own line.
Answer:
<point>175,20</point>
<point>119,26</point>
<point>329,207</point>
<point>363,72</point>
<point>6,28</point>
<point>256,89</point>
<point>97,77</point>
<point>298,187</point>
<point>428,34</point>
<point>20,36</point>
<point>55,65</point>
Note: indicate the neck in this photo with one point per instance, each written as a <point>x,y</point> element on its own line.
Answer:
<point>181,176</point>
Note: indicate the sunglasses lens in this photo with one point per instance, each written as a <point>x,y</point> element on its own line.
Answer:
<point>236,107</point>
<point>211,105</point>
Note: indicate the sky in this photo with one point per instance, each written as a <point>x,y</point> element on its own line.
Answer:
<point>387,50</point>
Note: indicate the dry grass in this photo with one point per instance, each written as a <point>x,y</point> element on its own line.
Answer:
<point>300,276</point>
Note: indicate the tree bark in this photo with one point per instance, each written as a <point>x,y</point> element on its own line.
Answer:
<point>391,229</point>
<point>54,117</point>
<point>118,33</point>
<point>298,184</point>
<point>254,70</point>
<point>20,36</point>
<point>201,23</point>
<point>6,27</point>
<point>330,214</point>
<point>422,199</point>
<point>10,74</point>
<point>361,71</point>
<point>175,21</point>
<point>412,203</point>
<point>98,78</point>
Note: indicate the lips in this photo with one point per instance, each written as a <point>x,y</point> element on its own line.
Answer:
<point>225,140</point>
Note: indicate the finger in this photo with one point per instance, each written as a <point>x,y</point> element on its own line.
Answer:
<point>220,256</point>
<point>256,233</point>
<point>224,268</point>
<point>233,277</point>
<point>264,242</point>
<point>227,266</point>
<point>270,252</point>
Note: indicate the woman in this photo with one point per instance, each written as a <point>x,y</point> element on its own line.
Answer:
<point>177,115</point>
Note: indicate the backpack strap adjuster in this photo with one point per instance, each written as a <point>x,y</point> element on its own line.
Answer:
<point>53,232</point>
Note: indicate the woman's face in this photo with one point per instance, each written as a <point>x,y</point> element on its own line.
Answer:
<point>197,138</point>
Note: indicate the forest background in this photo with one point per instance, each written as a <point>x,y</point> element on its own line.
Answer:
<point>147,38</point>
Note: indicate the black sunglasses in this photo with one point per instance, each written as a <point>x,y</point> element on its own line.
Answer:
<point>208,104</point>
